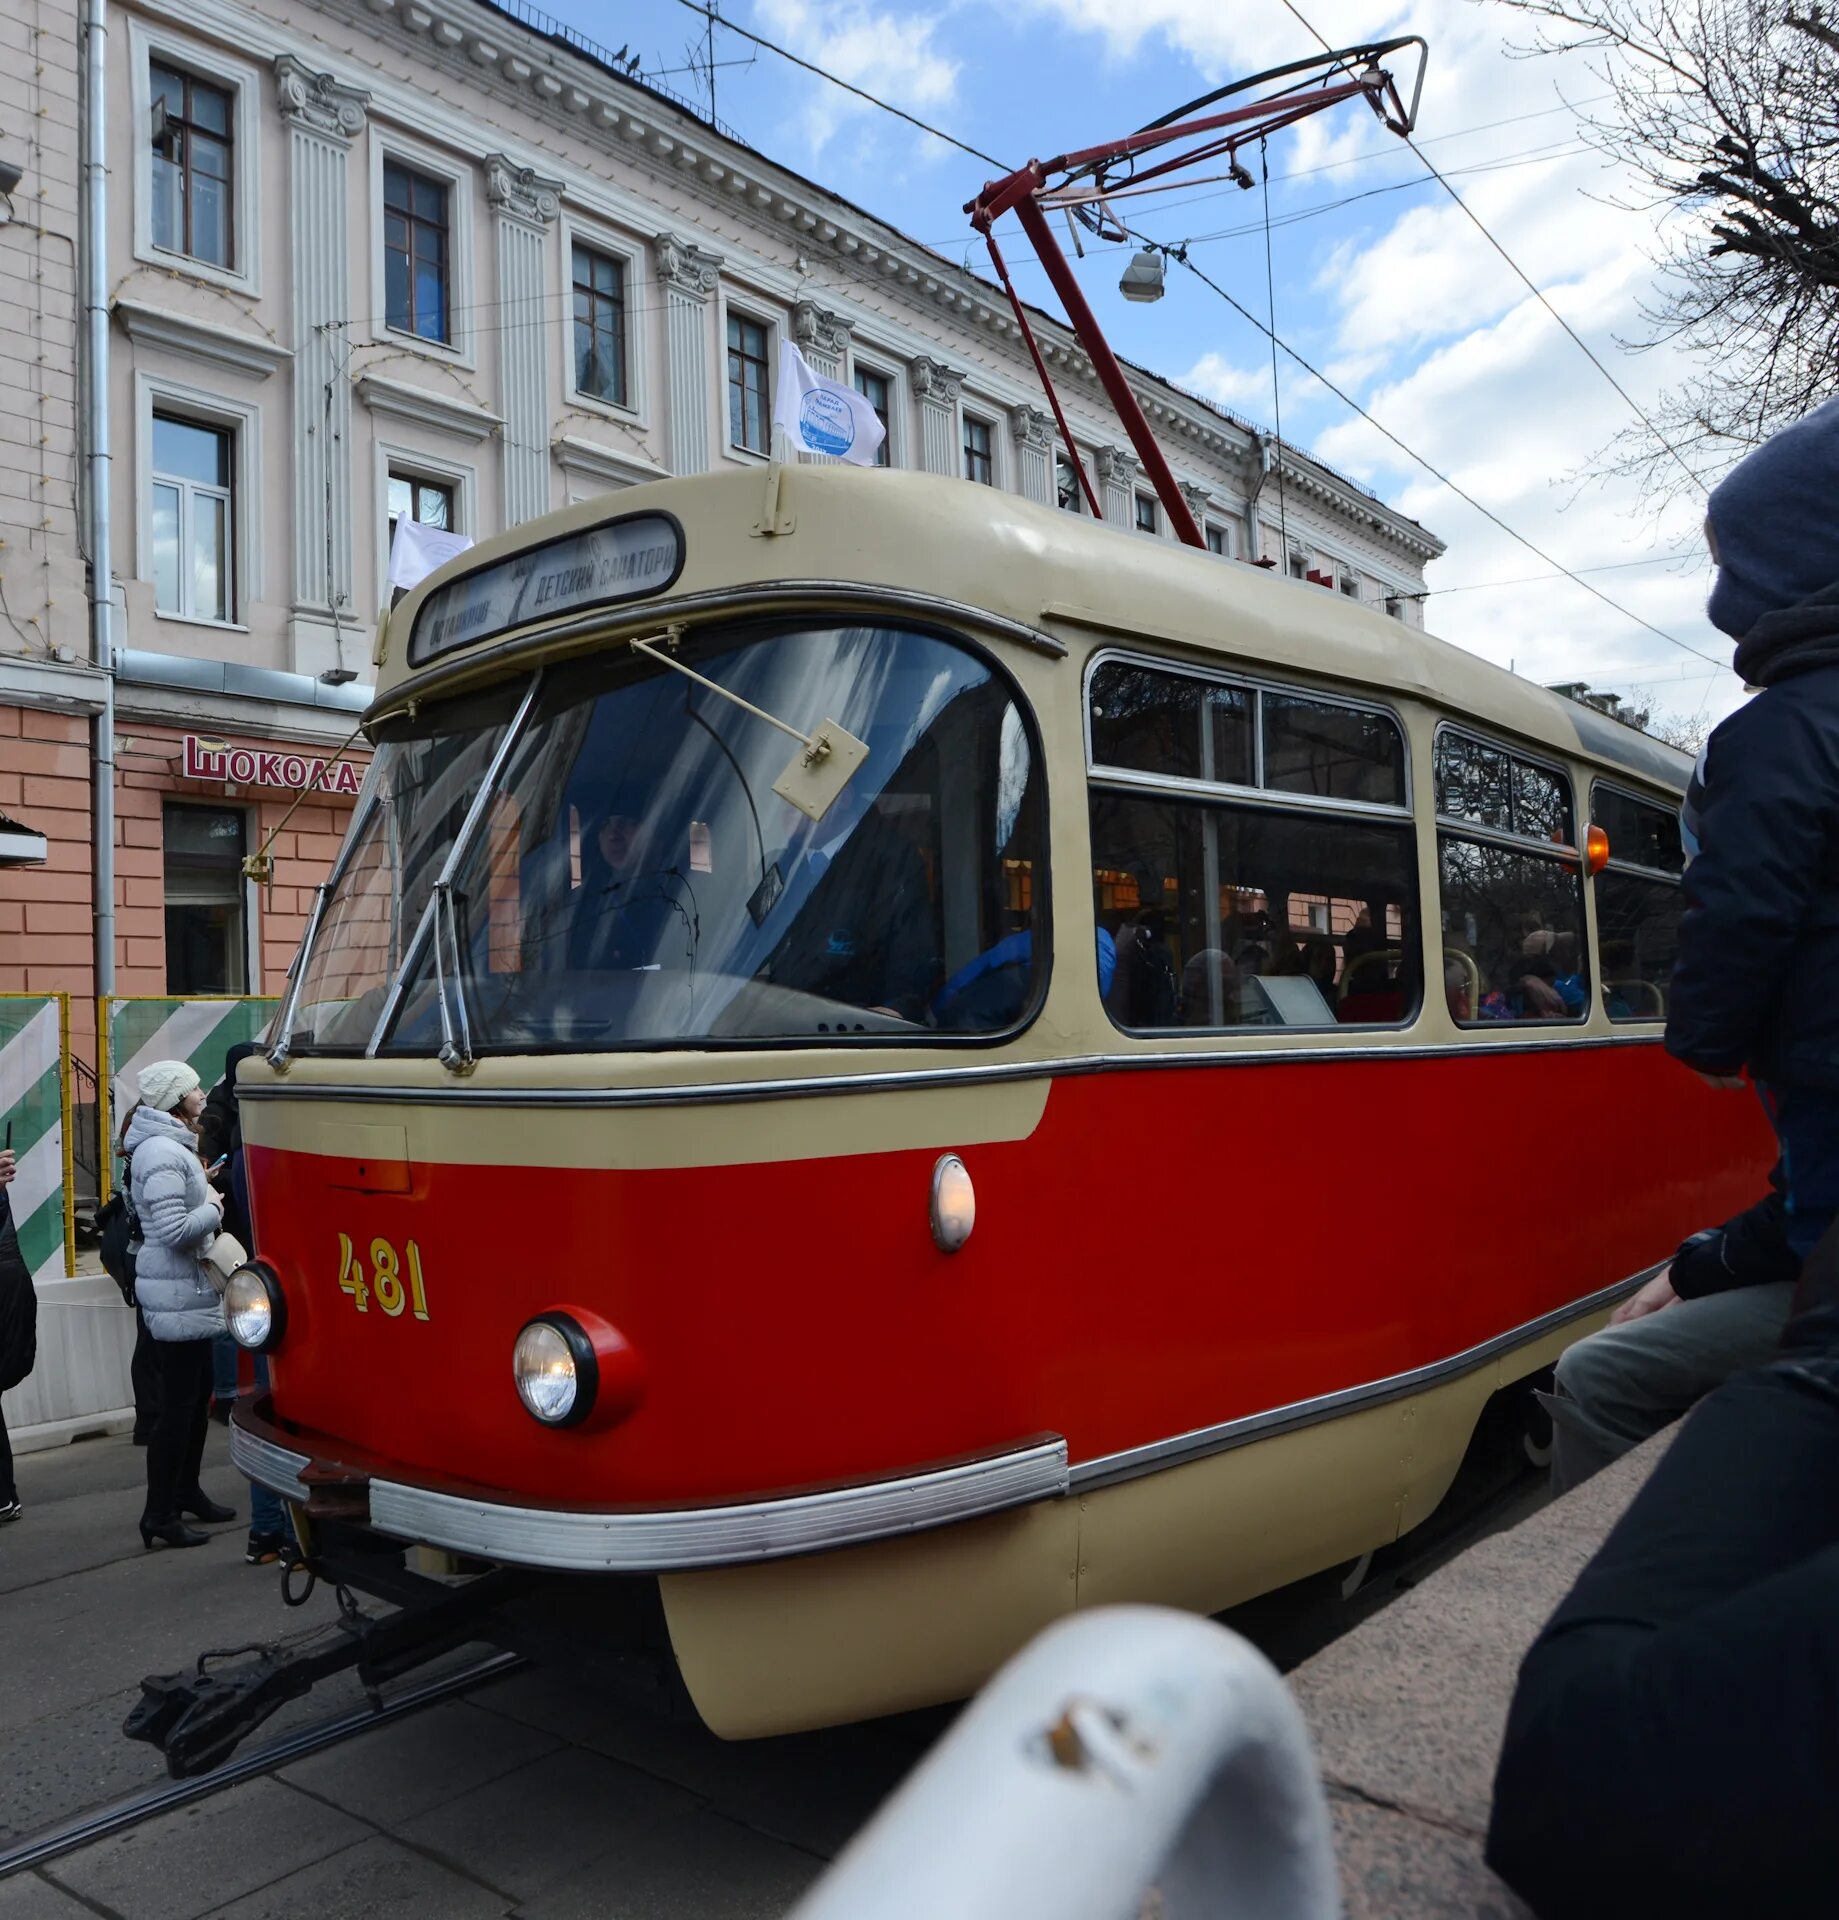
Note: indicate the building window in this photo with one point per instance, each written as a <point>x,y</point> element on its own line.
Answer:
<point>1512,896</point>
<point>1350,586</point>
<point>1299,566</point>
<point>416,252</point>
<point>207,945</point>
<point>978,463</point>
<point>749,413</point>
<point>600,326</point>
<point>878,390</point>
<point>1146,513</point>
<point>1068,495</point>
<point>1216,538</point>
<point>193,176</point>
<point>193,520</point>
<point>428,501</point>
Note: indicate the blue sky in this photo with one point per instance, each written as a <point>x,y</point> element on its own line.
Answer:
<point>1393,294</point>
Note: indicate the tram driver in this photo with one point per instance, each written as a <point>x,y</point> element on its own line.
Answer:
<point>626,906</point>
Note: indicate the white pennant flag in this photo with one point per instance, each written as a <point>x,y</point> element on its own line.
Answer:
<point>417,550</point>
<point>824,416</point>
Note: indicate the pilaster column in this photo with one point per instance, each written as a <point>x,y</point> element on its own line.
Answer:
<point>1200,503</point>
<point>1033,433</point>
<point>937,389</point>
<point>688,275</point>
<point>323,119</point>
<point>1116,473</point>
<point>525,206</point>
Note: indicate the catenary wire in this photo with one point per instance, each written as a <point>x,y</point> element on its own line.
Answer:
<point>861,93</point>
<point>1519,274</point>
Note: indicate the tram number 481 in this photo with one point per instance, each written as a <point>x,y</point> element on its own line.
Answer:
<point>388,1285</point>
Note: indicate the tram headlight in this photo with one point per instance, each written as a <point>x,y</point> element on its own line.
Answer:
<point>255,1309</point>
<point>556,1370</point>
<point>954,1203</point>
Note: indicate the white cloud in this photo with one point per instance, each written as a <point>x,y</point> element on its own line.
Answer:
<point>1216,378</point>
<point>889,54</point>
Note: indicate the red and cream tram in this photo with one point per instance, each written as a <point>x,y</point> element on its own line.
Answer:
<point>1092,1118</point>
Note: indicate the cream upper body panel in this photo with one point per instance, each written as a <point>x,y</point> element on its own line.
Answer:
<point>1060,574</point>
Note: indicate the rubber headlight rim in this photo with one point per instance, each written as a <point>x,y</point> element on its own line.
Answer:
<point>277,1308</point>
<point>587,1369</point>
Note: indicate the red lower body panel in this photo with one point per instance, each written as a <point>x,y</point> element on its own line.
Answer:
<point>1168,1250</point>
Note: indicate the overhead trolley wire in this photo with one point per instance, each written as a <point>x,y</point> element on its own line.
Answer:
<point>1634,406</point>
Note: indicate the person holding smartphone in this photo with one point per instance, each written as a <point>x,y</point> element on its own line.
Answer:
<point>18,1320</point>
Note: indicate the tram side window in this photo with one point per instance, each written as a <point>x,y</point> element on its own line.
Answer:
<point>1333,751</point>
<point>1513,914</point>
<point>1171,724</point>
<point>1224,916</point>
<point>1638,903</point>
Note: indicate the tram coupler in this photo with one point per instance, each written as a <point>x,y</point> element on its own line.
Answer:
<point>199,1717</point>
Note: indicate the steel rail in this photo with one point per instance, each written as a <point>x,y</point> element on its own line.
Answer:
<point>86,1828</point>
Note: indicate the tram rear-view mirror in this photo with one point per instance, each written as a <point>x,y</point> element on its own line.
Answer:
<point>819,771</point>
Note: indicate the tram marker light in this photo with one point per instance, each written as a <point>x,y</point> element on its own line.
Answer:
<point>1596,850</point>
<point>954,1203</point>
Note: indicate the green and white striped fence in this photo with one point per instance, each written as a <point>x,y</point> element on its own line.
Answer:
<point>35,1103</point>
<point>137,1031</point>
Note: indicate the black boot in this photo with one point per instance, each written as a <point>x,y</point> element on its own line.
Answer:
<point>201,1506</point>
<point>173,1533</point>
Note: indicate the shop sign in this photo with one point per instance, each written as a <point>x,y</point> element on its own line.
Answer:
<point>258,767</point>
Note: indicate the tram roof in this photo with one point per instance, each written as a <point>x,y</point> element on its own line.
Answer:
<point>1039,568</point>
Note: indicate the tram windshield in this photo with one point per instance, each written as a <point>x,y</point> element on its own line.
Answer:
<point>634,880</point>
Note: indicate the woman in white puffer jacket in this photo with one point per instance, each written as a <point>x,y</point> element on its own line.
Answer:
<point>180,1213</point>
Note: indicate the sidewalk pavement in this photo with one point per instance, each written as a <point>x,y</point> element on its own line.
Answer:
<point>1407,1711</point>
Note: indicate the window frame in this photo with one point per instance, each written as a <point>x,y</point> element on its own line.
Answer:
<point>1473,830</point>
<point>1403,817</point>
<point>1138,501</point>
<point>189,174</point>
<point>891,452</point>
<point>415,221</point>
<point>597,239</point>
<point>413,463</point>
<point>1635,871</point>
<point>969,417</point>
<point>154,393</point>
<point>1224,550</point>
<point>146,44</point>
<point>459,349</point>
<point>250,891</point>
<point>1258,794</point>
<point>1071,500</point>
<point>754,316</point>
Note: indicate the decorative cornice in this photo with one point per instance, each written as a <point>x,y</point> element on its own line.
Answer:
<point>595,462</point>
<point>935,382</point>
<point>1032,429</point>
<point>1116,466</point>
<point>521,192</point>
<point>815,326</point>
<point>426,407</point>
<point>686,267</point>
<point>150,326</point>
<point>317,103</point>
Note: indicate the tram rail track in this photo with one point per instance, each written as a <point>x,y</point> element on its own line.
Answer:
<point>132,1810</point>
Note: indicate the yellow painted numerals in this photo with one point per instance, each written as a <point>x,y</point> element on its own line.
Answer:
<point>388,1287</point>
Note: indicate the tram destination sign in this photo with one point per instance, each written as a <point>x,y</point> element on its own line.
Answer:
<point>626,559</point>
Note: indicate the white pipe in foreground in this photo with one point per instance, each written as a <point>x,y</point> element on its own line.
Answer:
<point>96,461</point>
<point>1130,1760</point>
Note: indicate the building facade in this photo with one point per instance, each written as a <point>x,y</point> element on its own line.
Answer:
<point>367,258</point>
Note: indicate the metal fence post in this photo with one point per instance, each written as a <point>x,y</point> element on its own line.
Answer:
<point>1130,1762</point>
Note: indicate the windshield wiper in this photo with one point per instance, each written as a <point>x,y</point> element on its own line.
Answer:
<point>456,1053</point>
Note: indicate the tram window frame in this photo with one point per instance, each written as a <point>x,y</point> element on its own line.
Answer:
<point>383,1042</point>
<point>1226,796</point>
<point>1567,854</point>
<point>1643,875</point>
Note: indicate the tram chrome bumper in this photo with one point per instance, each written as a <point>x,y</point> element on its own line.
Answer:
<point>670,1540</point>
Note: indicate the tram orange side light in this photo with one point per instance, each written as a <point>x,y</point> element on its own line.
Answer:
<point>1596,850</point>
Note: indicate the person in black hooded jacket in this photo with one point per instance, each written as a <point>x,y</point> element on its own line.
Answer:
<point>1756,984</point>
<point>18,1326</point>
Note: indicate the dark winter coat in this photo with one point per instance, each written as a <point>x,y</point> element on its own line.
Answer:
<point>18,1304</point>
<point>1756,983</point>
<point>1750,1250</point>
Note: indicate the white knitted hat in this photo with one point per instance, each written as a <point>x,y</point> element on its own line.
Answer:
<point>166,1083</point>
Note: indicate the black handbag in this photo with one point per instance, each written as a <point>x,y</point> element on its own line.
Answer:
<point>119,1236</point>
